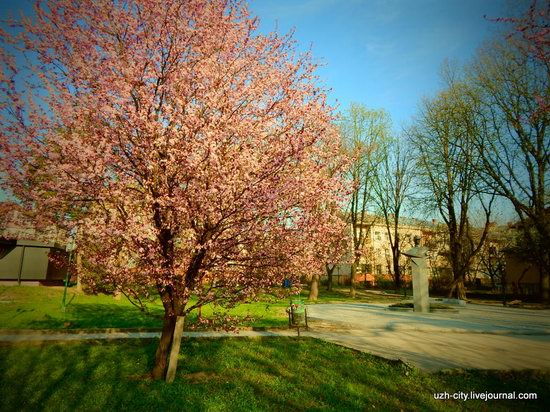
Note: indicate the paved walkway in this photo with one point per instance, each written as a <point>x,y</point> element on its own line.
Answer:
<point>478,337</point>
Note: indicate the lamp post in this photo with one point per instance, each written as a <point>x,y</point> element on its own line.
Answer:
<point>71,246</point>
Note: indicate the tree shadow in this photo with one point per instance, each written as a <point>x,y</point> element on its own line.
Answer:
<point>100,316</point>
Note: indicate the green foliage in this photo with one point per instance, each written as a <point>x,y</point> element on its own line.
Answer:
<point>383,282</point>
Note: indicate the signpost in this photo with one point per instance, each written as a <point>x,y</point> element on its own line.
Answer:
<point>71,246</point>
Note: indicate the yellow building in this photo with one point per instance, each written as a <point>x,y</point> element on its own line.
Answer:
<point>376,260</point>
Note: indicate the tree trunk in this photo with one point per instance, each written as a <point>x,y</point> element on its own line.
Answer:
<point>168,327</point>
<point>458,285</point>
<point>396,270</point>
<point>353,275</point>
<point>330,272</point>
<point>78,271</point>
<point>503,283</point>
<point>544,270</point>
<point>314,288</point>
<point>175,349</point>
<point>544,285</point>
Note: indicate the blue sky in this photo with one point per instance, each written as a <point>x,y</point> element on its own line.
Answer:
<point>385,53</point>
<point>382,53</point>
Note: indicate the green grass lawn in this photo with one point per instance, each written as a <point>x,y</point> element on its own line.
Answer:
<point>241,374</point>
<point>32,307</point>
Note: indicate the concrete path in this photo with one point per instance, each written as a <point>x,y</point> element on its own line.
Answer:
<point>478,337</point>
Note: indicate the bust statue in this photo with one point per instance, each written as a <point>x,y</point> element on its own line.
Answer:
<point>417,251</point>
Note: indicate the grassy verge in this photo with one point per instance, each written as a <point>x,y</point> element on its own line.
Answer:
<point>27,307</point>
<point>240,374</point>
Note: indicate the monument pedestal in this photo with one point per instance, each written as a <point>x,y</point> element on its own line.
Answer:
<point>421,295</point>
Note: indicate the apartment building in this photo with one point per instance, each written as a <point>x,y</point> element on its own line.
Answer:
<point>376,260</point>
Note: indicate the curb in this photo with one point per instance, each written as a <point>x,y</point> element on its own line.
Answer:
<point>432,310</point>
<point>62,336</point>
<point>46,332</point>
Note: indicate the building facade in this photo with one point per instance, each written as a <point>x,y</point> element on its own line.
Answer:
<point>376,264</point>
<point>27,256</point>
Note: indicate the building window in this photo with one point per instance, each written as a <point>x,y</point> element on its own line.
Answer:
<point>378,269</point>
<point>377,235</point>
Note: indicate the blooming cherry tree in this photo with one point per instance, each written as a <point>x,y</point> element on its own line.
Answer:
<point>196,157</point>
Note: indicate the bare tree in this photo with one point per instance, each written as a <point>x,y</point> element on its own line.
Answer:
<point>492,257</point>
<point>512,88</point>
<point>436,239</point>
<point>391,192</point>
<point>447,161</point>
<point>364,132</point>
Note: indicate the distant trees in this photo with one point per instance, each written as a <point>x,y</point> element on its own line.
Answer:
<point>447,165</point>
<point>492,257</point>
<point>513,140</point>
<point>391,193</point>
<point>364,134</point>
<point>486,135</point>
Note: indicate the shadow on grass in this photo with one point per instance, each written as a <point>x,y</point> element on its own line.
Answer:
<point>239,374</point>
<point>91,376</point>
<point>109,375</point>
<point>98,315</point>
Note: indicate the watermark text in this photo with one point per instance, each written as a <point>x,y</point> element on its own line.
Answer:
<point>485,396</point>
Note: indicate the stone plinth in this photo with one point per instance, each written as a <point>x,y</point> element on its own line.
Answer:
<point>419,266</point>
